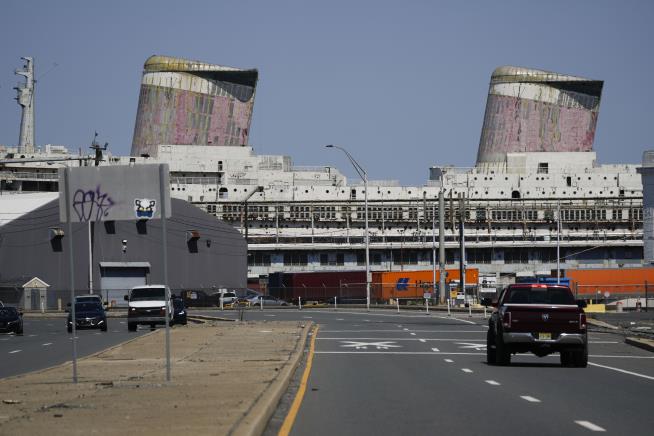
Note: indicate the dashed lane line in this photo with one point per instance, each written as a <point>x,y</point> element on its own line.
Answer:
<point>492,382</point>
<point>422,340</point>
<point>530,399</point>
<point>412,334</point>
<point>15,351</point>
<point>589,425</point>
<point>406,330</point>
<point>468,370</point>
<point>436,350</point>
<point>404,339</point>
<point>46,344</point>
<point>449,360</point>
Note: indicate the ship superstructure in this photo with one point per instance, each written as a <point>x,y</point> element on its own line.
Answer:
<point>312,218</point>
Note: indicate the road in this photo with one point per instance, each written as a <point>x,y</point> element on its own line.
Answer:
<point>380,373</point>
<point>46,343</point>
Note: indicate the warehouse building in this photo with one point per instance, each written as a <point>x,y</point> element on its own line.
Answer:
<point>111,256</point>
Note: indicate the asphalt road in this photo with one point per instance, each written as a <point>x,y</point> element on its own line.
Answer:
<point>380,373</point>
<point>46,343</point>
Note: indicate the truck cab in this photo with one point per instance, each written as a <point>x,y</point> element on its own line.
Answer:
<point>537,318</point>
<point>148,305</point>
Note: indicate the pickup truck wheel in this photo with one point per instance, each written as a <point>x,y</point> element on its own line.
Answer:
<point>490,348</point>
<point>502,354</point>
<point>131,326</point>
<point>580,357</point>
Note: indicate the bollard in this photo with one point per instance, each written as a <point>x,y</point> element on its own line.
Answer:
<point>397,300</point>
<point>469,309</point>
<point>299,303</point>
<point>448,307</point>
<point>427,305</point>
<point>260,302</point>
<point>59,304</point>
<point>221,302</point>
<point>334,303</point>
<point>485,312</point>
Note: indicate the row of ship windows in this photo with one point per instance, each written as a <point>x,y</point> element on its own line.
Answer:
<point>480,214</point>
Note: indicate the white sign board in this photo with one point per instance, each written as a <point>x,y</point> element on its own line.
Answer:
<point>426,295</point>
<point>113,193</point>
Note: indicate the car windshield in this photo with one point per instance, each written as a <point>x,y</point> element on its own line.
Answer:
<point>7,311</point>
<point>140,294</point>
<point>549,295</point>
<point>87,306</point>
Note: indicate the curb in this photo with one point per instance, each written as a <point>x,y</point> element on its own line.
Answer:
<point>598,323</point>
<point>645,344</point>
<point>256,419</point>
<point>200,318</point>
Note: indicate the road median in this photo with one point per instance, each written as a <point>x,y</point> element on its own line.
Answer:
<point>226,379</point>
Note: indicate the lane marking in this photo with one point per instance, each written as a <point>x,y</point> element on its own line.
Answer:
<point>383,345</point>
<point>395,331</point>
<point>449,360</point>
<point>405,316</point>
<point>31,336</point>
<point>422,340</point>
<point>466,370</point>
<point>340,319</point>
<point>122,322</point>
<point>287,425</point>
<point>412,334</point>
<point>492,382</point>
<point>265,331</point>
<point>435,349</point>
<point>400,352</point>
<point>15,351</point>
<point>270,315</point>
<point>604,342</point>
<point>590,426</point>
<point>622,371</point>
<point>307,317</point>
<point>46,344</point>
<point>530,399</point>
<point>333,338</point>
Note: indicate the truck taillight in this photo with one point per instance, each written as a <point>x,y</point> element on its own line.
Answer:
<point>506,319</point>
<point>582,321</point>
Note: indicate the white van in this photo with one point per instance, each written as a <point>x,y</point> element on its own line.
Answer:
<point>147,306</point>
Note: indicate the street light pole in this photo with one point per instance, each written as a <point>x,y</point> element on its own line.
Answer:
<point>364,176</point>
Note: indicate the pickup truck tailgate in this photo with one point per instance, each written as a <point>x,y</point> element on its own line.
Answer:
<point>536,318</point>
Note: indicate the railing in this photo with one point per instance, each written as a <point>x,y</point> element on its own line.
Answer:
<point>195,180</point>
<point>8,175</point>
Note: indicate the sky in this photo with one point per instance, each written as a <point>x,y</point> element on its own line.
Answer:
<point>401,85</point>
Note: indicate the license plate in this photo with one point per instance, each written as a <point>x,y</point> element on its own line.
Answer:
<point>545,336</point>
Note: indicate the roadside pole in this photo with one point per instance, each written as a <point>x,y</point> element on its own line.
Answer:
<point>427,305</point>
<point>335,303</point>
<point>71,269</point>
<point>397,300</point>
<point>162,196</point>
<point>441,245</point>
<point>299,303</point>
<point>260,302</point>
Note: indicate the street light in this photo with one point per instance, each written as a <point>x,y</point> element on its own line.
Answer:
<point>364,176</point>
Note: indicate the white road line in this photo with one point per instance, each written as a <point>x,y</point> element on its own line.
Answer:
<point>458,319</point>
<point>492,382</point>
<point>624,357</point>
<point>466,370</point>
<point>122,322</point>
<point>604,342</point>
<point>340,319</point>
<point>422,340</point>
<point>412,334</point>
<point>406,330</point>
<point>436,350</point>
<point>406,339</point>
<point>530,399</point>
<point>270,315</point>
<point>46,344</point>
<point>15,351</point>
<point>622,371</point>
<point>400,352</point>
<point>421,315</point>
<point>30,336</point>
<point>115,331</point>
<point>449,360</point>
<point>395,331</point>
<point>366,320</point>
<point>589,425</point>
<point>307,317</point>
<point>399,326</point>
<point>4,339</point>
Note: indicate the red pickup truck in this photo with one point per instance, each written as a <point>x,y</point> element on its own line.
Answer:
<point>537,318</point>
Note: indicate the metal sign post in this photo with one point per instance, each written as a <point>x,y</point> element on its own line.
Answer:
<point>115,193</point>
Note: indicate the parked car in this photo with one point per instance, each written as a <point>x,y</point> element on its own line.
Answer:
<point>11,320</point>
<point>537,318</point>
<point>89,298</point>
<point>88,315</point>
<point>198,298</point>
<point>228,298</point>
<point>179,311</point>
<point>268,300</point>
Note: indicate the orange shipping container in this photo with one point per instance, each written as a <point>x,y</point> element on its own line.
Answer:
<point>612,281</point>
<point>413,284</point>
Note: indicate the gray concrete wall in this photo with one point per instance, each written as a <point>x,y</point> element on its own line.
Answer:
<point>26,250</point>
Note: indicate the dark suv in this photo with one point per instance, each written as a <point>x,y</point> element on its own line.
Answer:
<point>88,315</point>
<point>541,319</point>
<point>179,311</point>
<point>11,320</point>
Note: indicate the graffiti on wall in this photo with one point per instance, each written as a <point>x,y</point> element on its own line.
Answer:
<point>92,204</point>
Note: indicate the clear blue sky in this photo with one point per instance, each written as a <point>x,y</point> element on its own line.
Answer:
<point>401,84</point>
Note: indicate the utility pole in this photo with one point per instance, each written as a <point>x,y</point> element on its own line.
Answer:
<point>441,244</point>
<point>462,263</point>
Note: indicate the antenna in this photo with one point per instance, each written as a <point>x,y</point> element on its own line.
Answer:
<point>98,150</point>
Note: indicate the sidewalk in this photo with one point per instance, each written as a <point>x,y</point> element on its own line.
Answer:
<point>226,379</point>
